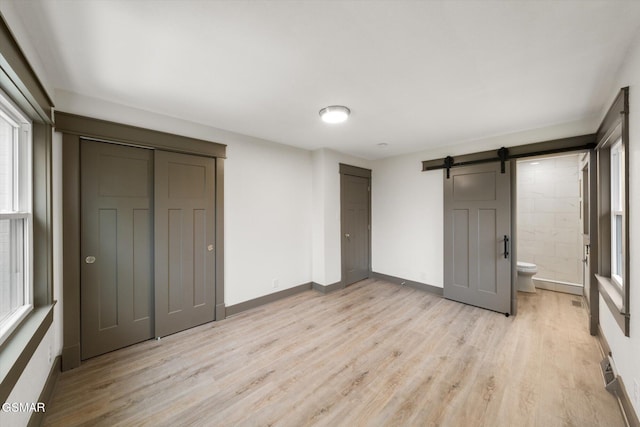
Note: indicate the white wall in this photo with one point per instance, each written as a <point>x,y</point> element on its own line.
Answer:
<point>626,350</point>
<point>407,220</point>
<point>31,382</point>
<point>268,194</point>
<point>318,271</point>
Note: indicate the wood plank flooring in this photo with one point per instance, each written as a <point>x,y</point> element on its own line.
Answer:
<point>374,354</point>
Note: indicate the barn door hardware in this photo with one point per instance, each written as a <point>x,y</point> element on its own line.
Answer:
<point>503,155</point>
<point>545,148</point>
<point>448,163</point>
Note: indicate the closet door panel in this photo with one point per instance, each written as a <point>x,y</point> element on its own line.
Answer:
<point>184,241</point>
<point>116,289</point>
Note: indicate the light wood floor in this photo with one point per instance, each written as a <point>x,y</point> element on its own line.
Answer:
<point>373,354</point>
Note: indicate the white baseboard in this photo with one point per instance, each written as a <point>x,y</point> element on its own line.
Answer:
<point>554,285</point>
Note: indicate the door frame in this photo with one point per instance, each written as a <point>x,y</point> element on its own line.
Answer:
<point>594,293</point>
<point>345,169</point>
<point>575,144</point>
<point>73,128</point>
<point>514,236</point>
<point>593,306</point>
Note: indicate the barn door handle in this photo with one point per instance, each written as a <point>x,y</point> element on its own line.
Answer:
<point>506,247</point>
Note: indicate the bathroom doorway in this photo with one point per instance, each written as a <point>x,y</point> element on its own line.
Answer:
<point>552,221</point>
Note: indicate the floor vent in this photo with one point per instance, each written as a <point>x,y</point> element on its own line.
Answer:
<point>609,375</point>
<point>576,303</point>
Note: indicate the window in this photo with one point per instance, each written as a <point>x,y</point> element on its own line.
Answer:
<point>612,210</point>
<point>617,213</point>
<point>26,265</point>
<point>16,271</point>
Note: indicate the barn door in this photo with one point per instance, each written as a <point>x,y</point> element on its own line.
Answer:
<point>477,236</point>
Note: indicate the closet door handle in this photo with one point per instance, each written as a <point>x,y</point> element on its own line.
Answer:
<point>506,247</point>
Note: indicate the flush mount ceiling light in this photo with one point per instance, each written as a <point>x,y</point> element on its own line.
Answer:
<point>335,114</point>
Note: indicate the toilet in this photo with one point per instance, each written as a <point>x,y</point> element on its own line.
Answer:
<point>526,271</point>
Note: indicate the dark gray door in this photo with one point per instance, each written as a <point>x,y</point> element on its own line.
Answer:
<point>589,220</point>
<point>355,216</point>
<point>184,241</point>
<point>116,246</point>
<point>584,223</point>
<point>477,222</point>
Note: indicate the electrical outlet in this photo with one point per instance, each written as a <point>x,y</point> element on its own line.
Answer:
<point>49,355</point>
<point>636,392</point>
<point>276,283</point>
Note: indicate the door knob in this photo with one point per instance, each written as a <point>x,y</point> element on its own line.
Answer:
<point>210,248</point>
<point>347,235</point>
<point>90,259</point>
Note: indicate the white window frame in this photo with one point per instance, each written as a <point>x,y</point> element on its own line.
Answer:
<point>22,209</point>
<point>617,211</point>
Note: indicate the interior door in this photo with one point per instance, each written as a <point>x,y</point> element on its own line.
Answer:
<point>116,245</point>
<point>589,220</point>
<point>477,224</point>
<point>584,222</point>
<point>355,215</point>
<point>184,241</point>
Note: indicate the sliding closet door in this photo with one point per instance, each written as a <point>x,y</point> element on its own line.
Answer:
<point>116,245</point>
<point>184,241</point>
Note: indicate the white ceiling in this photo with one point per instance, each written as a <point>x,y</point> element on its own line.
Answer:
<point>416,75</point>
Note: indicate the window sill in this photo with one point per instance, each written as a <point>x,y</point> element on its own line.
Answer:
<point>13,322</point>
<point>17,350</point>
<point>612,295</point>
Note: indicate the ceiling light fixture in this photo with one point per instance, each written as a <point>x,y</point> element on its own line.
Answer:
<point>334,114</point>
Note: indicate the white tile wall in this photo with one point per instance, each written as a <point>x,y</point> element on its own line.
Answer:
<point>549,232</point>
